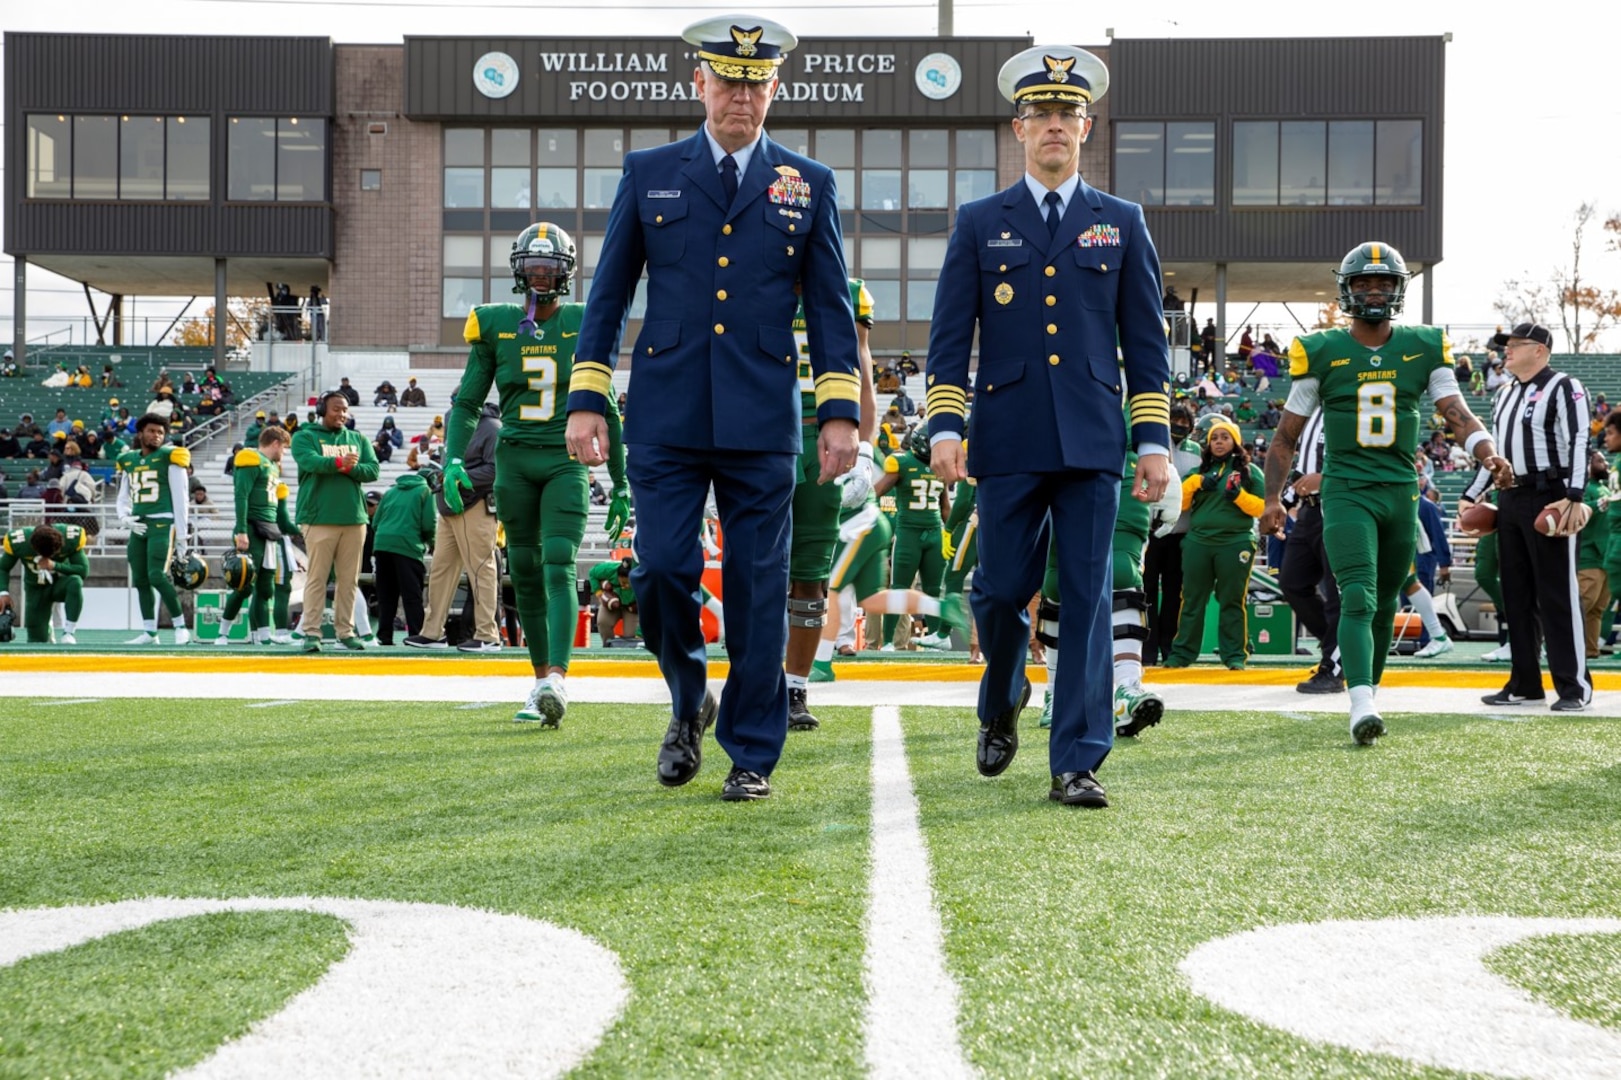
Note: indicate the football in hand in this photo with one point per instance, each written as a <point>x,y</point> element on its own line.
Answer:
<point>1547,522</point>
<point>1479,519</point>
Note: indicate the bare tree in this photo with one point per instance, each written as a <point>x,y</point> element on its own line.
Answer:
<point>1585,311</point>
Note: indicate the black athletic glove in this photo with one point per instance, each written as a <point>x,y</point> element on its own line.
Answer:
<point>1209,481</point>
<point>1234,488</point>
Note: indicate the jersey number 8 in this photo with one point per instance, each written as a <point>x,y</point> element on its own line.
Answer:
<point>1376,414</point>
<point>546,384</point>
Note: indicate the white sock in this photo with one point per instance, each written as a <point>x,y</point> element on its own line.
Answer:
<point>1052,669</point>
<point>149,625</point>
<point>848,607</point>
<point>555,678</point>
<point>70,625</point>
<point>1128,651</point>
<point>1361,701</point>
<point>1425,606</point>
<point>824,650</point>
<point>225,628</point>
<point>796,682</point>
<point>179,621</point>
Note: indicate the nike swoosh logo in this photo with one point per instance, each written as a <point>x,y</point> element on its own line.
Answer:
<point>567,334</point>
<point>1405,357</point>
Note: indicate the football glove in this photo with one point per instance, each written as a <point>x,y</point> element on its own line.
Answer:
<point>1165,513</point>
<point>1209,481</point>
<point>857,483</point>
<point>456,479</point>
<point>946,547</point>
<point>618,512</point>
<point>136,526</point>
<point>1234,487</point>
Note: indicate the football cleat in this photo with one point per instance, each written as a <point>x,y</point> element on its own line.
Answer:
<point>1136,709</point>
<point>224,638</point>
<point>68,638</point>
<point>553,702</point>
<point>1501,654</point>
<point>280,637</point>
<point>1438,646</point>
<point>146,637</point>
<point>934,641</point>
<point>1367,729</point>
<point>888,647</point>
<point>182,636</point>
<point>800,717</point>
<point>821,671</point>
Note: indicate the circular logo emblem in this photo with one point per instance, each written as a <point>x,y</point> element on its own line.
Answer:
<point>1003,293</point>
<point>938,76</point>
<point>495,75</point>
<point>1375,361</point>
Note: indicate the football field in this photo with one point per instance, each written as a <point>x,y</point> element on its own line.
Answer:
<point>268,865</point>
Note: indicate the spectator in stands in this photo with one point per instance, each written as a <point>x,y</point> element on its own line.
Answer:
<point>599,494</point>
<point>53,470</point>
<point>1246,346</point>
<point>4,494</point>
<point>162,383</point>
<point>1496,377</point>
<point>1207,343</point>
<point>391,434</point>
<point>888,381</point>
<point>78,487</point>
<point>1245,413</point>
<point>1265,364</point>
<point>434,438</point>
<point>188,385</point>
<point>8,366</point>
<point>385,394</point>
<point>290,422</point>
<point>9,446</point>
<point>1270,345</point>
<point>349,392</point>
<point>383,447</point>
<point>1271,416</point>
<point>81,377</point>
<point>89,443</point>
<point>33,487</point>
<point>1601,409</point>
<point>61,425</point>
<point>413,398</point>
<point>284,308</point>
<point>211,378</point>
<point>907,366</point>
<point>250,437</point>
<point>315,312</point>
<point>209,405</point>
<point>1464,369</point>
<point>38,446</point>
<point>904,403</point>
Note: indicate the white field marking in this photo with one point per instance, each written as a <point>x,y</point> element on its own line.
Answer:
<point>70,701</point>
<point>476,705</point>
<point>911,1023</point>
<point>273,704</point>
<point>1411,988</point>
<point>426,989</point>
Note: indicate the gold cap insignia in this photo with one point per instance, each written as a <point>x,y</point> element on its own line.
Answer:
<point>1056,68</point>
<point>746,40</point>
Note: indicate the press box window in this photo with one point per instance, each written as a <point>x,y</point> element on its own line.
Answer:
<point>1328,163</point>
<point>275,159</point>
<point>1159,164</point>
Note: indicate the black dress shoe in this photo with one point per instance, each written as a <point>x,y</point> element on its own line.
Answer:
<point>1078,789</point>
<point>1503,697</point>
<point>799,714</point>
<point>683,752</point>
<point>743,785</point>
<point>999,739</point>
<point>1322,681</point>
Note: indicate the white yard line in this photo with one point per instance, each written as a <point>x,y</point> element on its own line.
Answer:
<point>911,1025</point>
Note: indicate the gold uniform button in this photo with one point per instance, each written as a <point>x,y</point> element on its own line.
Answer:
<point>1051,300</point>
<point>792,228</point>
<point>724,261</point>
<point>1003,268</point>
<point>721,295</point>
<point>1103,266</point>
<point>719,329</point>
<point>1052,328</point>
<point>650,350</point>
<point>988,389</point>
<point>726,230</point>
<point>1053,359</point>
<point>790,249</point>
<point>659,219</point>
<point>1050,271</point>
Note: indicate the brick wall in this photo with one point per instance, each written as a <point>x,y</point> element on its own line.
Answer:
<point>386,275</point>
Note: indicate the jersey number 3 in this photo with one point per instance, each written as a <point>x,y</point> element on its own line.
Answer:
<point>1376,414</point>
<point>546,368</point>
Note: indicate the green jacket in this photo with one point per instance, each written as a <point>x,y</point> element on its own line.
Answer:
<point>406,518</point>
<point>1216,519</point>
<point>607,573</point>
<point>325,495</point>
<point>1593,542</point>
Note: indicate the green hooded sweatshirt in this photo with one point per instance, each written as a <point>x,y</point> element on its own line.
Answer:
<point>406,518</point>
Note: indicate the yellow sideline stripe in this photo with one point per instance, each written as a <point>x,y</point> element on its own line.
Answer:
<point>594,668</point>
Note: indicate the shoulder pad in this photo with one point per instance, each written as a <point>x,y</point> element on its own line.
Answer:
<point>246,459</point>
<point>471,332</point>
<point>5,544</point>
<point>281,492</point>
<point>77,540</point>
<point>179,455</point>
<point>891,464</point>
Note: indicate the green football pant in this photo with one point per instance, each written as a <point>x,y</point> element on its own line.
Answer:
<point>859,562</point>
<point>1370,534</point>
<point>917,555</point>
<point>149,557</point>
<point>816,516</point>
<point>66,589</point>
<point>1127,556</point>
<point>1223,570</point>
<point>542,499</point>
<point>964,557</point>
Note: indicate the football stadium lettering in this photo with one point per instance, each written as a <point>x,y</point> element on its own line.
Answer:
<point>647,90</point>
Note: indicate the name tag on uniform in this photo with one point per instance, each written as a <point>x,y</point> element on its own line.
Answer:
<point>1004,243</point>
<point>664,194</point>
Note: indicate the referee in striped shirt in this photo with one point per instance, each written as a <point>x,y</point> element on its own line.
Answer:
<point>1305,577</point>
<point>1539,422</point>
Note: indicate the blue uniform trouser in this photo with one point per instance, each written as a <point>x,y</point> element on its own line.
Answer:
<point>754,493</point>
<point>1014,527</point>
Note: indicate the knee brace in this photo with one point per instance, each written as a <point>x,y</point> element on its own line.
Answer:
<point>1047,623</point>
<point>1356,600</point>
<point>1130,614</point>
<point>810,614</point>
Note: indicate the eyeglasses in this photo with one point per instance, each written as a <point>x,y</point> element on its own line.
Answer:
<point>1518,344</point>
<point>1045,116</point>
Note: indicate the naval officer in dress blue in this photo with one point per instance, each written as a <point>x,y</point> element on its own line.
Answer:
<point>1056,275</point>
<point>725,223</point>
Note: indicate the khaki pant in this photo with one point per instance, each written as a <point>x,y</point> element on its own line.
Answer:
<point>1594,588</point>
<point>465,541</point>
<point>607,617</point>
<point>332,547</point>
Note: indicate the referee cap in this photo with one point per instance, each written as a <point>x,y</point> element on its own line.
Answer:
<point>1526,331</point>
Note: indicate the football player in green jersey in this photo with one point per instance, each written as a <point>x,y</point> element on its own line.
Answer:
<point>542,494</point>
<point>921,503</point>
<point>152,503</point>
<point>1368,379</point>
<point>256,476</point>
<point>816,512</point>
<point>55,564</point>
<point>959,543</point>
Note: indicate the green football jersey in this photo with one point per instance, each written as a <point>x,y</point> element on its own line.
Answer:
<point>861,301</point>
<point>256,480</point>
<point>530,372</point>
<point>917,496</point>
<point>15,548</point>
<point>1370,398</point>
<point>148,477</point>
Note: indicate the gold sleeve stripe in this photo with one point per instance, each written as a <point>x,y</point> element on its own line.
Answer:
<point>1298,364</point>
<point>837,390</point>
<point>6,543</point>
<point>945,409</point>
<point>180,456</point>
<point>470,329</point>
<point>945,395</point>
<point>834,377</point>
<point>589,375</point>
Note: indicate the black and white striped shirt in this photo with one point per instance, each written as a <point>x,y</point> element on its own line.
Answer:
<point>1309,452</point>
<point>1540,426</point>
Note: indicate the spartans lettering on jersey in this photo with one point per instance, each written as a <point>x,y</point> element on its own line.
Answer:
<point>1365,376</point>
<point>537,350</point>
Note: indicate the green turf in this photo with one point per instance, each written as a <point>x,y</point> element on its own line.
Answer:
<point>738,925</point>
<point>1065,927</point>
<point>1579,975</point>
<point>144,1002</point>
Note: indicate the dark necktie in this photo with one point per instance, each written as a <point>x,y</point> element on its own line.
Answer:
<point>728,177</point>
<point>1053,213</point>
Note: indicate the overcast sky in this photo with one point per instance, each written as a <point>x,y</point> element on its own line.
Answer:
<point>1532,107</point>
